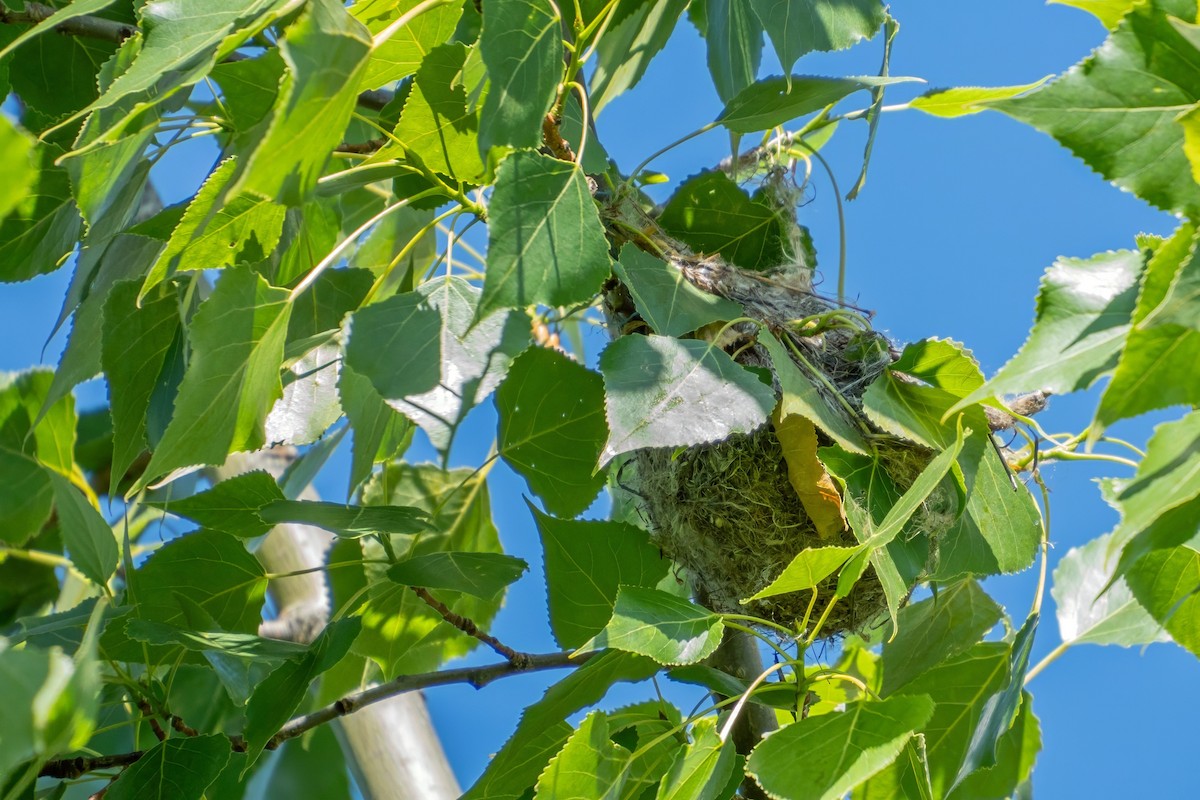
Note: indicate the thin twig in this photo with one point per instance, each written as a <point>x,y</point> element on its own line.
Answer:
<point>468,626</point>
<point>86,26</point>
<point>475,676</point>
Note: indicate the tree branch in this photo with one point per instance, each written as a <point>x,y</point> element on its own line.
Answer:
<point>91,27</point>
<point>468,626</point>
<point>478,677</point>
<point>87,26</point>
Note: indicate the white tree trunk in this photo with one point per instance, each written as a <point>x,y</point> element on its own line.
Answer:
<point>391,746</point>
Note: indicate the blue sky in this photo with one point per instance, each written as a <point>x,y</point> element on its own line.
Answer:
<point>956,224</point>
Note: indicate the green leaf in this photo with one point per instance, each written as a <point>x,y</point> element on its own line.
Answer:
<point>701,769</point>
<point>474,358</point>
<point>276,699</point>
<point>175,769</point>
<point>208,568</point>
<point>521,44</point>
<point>797,27</point>
<point>90,543</point>
<point>806,571</point>
<point>665,299</point>
<point>823,757</point>
<point>240,645</point>
<point>543,729</point>
<point>551,428</point>
<point>666,392</point>
<point>1015,757</point>
<point>17,171</point>
<point>1167,478</point>
<point>218,231</point>
<point>326,51</point>
<point>178,47</point>
<point>943,364</point>
<point>1145,75</point>
<point>76,9</point>
<point>309,405</point>
<point>1154,370</point>
<point>545,241</point>
<point>1001,708</point>
<point>344,520</point>
<point>27,425</point>
<point>712,214</point>
<point>400,632</point>
<point>626,49</point>
<point>935,629</point>
<point>775,101</point>
<point>440,121</point>
<point>26,497</point>
<point>1084,308</point>
<point>589,765</point>
<point>735,43</point>
<point>42,229</point>
<point>379,431</point>
<point>249,87</point>
<point>1165,582</point>
<point>963,101</point>
<point>586,562</point>
<point>652,731</point>
<point>1001,527</point>
<point>801,396</point>
<point>230,506</point>
<point>481,575</point>
<point>233,378</point>
<point>1109,12</point>
<point>135,343</point>
<point>1094,605</point>
<point>400,55</point>
<point>960,687</point>
<point>661,626</point>
<point>396,343</point>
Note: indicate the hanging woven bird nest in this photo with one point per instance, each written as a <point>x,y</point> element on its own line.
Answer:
<point>727,511</point>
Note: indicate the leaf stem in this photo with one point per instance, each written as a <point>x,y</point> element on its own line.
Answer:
<point>741,703</point>
<point>336,252</point>
<point>1050,658</point>
<point>404,19</point>
<point>1036,608</point>
<point>758,634</point>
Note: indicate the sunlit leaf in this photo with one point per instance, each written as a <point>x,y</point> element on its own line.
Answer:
<point>43,227</point>
<point>90,542</point>
<point>666,392</point>
<point>400,54</point>
<point>822,758</point>
<point>17,171</point>
<point>1165,582</point>
<point>807,570</point>
<point>963,101</point>
<point>1092,611</point>
<point>1084,309</point>
<point>702,769</point>
<point>661,626</point>
<point>589,765</point>
<point>326,52</point>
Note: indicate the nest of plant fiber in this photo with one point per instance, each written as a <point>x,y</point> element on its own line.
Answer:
<point>727,511</point>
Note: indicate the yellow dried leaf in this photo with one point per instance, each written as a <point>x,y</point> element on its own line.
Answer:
<point>815,487</point>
